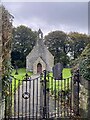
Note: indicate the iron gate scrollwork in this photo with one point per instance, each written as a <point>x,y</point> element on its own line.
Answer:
<point>40,97</point>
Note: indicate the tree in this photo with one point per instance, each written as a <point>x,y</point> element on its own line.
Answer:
<point>56,41</point>
<point>77,43</point>
<point>83,63</point>
<point>23,41</point>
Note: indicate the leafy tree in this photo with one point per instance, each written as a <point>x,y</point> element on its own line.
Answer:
<point>57,44</point>
<point>23,41</point>
<point>83,63</point>
<point>77,43</point>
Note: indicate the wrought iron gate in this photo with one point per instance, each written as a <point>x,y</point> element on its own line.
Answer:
<point>39,98</point>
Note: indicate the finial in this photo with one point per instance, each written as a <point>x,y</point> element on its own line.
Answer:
<point>40,34</point>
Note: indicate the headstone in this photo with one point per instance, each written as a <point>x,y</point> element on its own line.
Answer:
<point>57,71</point>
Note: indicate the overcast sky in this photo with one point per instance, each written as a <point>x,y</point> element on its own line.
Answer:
<point>49,16</point>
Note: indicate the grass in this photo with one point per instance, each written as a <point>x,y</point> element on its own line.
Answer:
<point>18,78</point>
<point>58,85</point>
<point>52,84</point>
<point>16,81</point>
<point>66,73</point>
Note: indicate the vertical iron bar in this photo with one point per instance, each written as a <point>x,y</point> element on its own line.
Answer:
<point>78,98</point>
<point>61,98</point>
<point>9,103</point>
<point>52,89</point>
<point>78,90</point>
<point>48,82</point>
<point>30,97</point>
<point>22,100</point>
<point>52,84</point>
<point>67,96</point>
<point>58,98</point>
<point>71,98</point>
<point>44,110</point>
<point>26,99</point>
<point>64,95</point>
<point>37,99</point>
<point>41,96</point>
<point>18,97</point>
<point>69,84</point>
<point>33,99</point>
<point>14,98</point>
<point>11,99</point>
<point>55,97</point>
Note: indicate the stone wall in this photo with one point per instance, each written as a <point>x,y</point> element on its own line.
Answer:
<point>2,108</point>
<point>84,98</point>
<point>1,64</point>
<point>81,96</point>
<point>5,48</point>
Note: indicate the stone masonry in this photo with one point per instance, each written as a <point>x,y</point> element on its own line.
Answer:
<point>84,98</point>
<point>39,54</point>
<point>5,47</point>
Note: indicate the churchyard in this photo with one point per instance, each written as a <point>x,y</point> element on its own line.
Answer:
<point>50,76</point>
<point>55,87</point>
<point>22,72</point>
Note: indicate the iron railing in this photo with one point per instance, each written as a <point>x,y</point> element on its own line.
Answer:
<point>42,97</point>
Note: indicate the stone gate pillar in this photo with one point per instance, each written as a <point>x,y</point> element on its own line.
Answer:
<point>84,98</point>
<point>76,80</point>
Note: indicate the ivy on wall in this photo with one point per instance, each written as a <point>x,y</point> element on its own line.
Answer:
<point>6,77</point>
<point>5,45</point>
<point>83,63</point>
<point>85,68</point>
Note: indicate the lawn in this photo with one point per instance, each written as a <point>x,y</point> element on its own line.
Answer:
<point>66,73</point>
<point>52,84</point>
<point>58,85</point>
<point>18,78</point>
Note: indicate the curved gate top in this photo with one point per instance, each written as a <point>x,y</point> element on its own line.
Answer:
<point>39,97</point>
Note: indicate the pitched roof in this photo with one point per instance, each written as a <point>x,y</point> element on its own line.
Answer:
<point>39,50</point>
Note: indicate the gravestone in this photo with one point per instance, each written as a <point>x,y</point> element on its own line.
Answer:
<point>57,71</point>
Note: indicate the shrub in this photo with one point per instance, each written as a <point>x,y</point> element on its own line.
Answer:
<point>85,68</point>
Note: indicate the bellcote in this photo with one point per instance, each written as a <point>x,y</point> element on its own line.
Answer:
<point>40,34</point>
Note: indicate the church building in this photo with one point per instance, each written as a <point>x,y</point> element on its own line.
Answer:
<point>39,58</point>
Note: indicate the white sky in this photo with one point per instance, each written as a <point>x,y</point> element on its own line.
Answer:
<point>49,16</point>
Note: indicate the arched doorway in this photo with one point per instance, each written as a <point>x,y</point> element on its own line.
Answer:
<point>39,68</point>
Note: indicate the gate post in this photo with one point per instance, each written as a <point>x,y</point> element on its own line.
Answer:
<point>76,92</point>
<point>45,105</point>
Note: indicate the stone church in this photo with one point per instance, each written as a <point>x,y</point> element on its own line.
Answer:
<point>39,58</point>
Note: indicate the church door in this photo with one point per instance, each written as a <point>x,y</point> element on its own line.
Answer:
<point>39,68</point>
